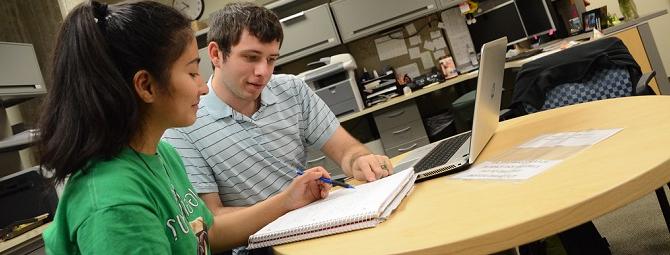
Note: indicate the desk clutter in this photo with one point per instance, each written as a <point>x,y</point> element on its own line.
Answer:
<point>19,216</point>
<point>380,89</point>
<point>343,210</point>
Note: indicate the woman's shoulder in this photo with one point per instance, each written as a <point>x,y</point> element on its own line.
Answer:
<point>106,183</point>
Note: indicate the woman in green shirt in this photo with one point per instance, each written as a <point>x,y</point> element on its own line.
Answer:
<point>121,75</point>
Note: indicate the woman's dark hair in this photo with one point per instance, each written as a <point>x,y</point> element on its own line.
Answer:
<point>91,110</point>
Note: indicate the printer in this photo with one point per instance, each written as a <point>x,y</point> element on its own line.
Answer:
<point>335,84</point>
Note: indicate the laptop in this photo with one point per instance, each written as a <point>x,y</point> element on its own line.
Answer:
<point>457,153</point>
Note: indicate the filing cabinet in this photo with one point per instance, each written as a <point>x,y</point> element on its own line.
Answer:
<point>317,158</point>
<point>358,18</point>
<point>400,129</point>
<point>307,32</point>
<point>405,147</point>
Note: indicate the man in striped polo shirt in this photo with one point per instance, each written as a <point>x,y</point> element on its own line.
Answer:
<point>253,128</point>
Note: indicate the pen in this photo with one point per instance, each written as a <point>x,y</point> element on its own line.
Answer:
<point>329,181</point>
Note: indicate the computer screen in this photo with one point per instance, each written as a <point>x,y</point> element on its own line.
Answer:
<point>496,22</point>
<point>535,16</point>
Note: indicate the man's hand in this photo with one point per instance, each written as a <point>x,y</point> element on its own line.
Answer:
<point>371,167</point>
<point>306,188</point>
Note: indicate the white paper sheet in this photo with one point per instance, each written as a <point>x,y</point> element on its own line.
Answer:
<point>435,34</point>
<point>507,170</point>
<point>428,45</point>
<point>571,139</point>
<point>427,60</point>
<point>388,48</point>
<point>410,29</point>
<point>412,70</point>
<point>414,40</point>
<point>414,53</point>
<point>439,43</point>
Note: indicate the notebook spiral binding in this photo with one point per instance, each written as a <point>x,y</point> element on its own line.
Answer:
<point>316,230</point>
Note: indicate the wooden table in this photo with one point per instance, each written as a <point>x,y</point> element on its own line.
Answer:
<point>445,215</point>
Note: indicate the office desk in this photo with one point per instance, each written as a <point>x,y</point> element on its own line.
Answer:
<point>445,215</point>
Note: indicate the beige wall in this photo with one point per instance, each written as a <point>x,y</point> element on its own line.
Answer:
<point>659,26</point>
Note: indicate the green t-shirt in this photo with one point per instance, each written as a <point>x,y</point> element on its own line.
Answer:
<point>121,207</point>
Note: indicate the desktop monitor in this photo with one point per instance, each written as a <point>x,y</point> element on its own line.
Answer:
<point>536,17</point>
<point>496,22</point>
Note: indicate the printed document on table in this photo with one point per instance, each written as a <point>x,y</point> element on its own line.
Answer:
<point>571,139</point>
<point>535,156</point>
<point>506,170</point>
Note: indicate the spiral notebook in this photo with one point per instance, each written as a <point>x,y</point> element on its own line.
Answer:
<point>343,210</point>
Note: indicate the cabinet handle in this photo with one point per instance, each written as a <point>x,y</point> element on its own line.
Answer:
<point>428,7</point>
<point>279,3</point>
<point>408,148</point>
<point>402,130</point>
<point>316,159</point>
<point>294,16</point>
<point>396,114</point>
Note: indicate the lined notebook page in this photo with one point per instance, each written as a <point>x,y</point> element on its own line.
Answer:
<point>366,200</point>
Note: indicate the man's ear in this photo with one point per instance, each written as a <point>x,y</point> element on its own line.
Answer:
<point>215,54</point>
<point>144,83</point>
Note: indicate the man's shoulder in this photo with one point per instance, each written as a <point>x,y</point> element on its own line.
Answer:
<point>284,81</point>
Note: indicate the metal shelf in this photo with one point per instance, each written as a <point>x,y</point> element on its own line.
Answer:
<point>19,141</point>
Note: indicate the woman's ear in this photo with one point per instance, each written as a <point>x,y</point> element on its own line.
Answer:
<point>144,83</point>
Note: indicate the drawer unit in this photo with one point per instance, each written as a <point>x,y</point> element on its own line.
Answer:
<point>307,32</point>
<point>403,133</point>
<point>317,158</point>
<point>358,18</point>
<point>400,126</point>
<point>405,147</point>
<point>396,115</point>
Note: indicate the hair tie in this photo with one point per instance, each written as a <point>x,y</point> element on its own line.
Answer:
<point>100,13</point>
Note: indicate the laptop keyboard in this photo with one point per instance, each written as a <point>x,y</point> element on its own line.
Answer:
<point>441,153</point>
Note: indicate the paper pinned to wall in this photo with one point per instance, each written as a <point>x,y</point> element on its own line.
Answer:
<point>388,47</point>
<point>428,45</point>
<point>410,29</point>
<point>435,34</point>
<point>414,40</point>
<point>438,54</point>
<point>412,70</point>
<point>439,43</point>
<point>427,60</point>
<point>414,53</point>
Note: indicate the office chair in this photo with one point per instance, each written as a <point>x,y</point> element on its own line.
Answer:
<point>598,70</point>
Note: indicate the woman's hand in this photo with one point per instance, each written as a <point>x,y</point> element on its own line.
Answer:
<point>306,188</point>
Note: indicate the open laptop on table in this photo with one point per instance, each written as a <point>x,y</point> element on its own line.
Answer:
<point>457,153</point>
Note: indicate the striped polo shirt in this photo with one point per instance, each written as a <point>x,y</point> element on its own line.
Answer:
<point>248,159</point>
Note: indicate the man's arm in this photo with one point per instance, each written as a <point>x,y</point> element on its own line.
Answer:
<point>354,158</point>
<point>213,202</point>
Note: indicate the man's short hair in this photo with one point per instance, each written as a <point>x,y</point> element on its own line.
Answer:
<point>227,24</point>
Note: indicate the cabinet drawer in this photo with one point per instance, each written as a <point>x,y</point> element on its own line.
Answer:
<point>307,32</point>
<point>317,158</point>
<point>358,18</point>
<point>400,149</point>
<point>396,116</point>
<point>336,93</point>
<point>403,134</point>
